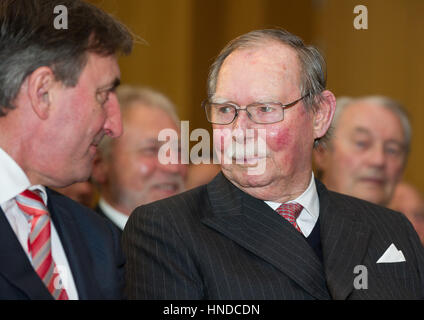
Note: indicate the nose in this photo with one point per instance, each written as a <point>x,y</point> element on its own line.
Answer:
<point>240,124</point>
<point>174,166</point>
<point>113,123</point>
<point>377,156</point>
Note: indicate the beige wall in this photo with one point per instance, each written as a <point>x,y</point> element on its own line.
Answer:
<point>185,35</point>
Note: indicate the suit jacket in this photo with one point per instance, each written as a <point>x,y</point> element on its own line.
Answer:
<point>103,215</point>
<point>91,245</point>
<point>217,242</point>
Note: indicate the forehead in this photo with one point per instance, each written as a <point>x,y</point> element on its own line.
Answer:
<point>267,68</point>
<point>147,120</point>
<point>99,70</point>
<point>375,119</point>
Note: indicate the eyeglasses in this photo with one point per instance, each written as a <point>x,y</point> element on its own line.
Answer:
<point>261,113</point>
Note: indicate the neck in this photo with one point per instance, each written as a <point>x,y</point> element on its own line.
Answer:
<point>115,204</point>
<point>279,190</point>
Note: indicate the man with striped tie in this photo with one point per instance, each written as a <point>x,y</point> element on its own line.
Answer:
<point>57,101</point>
<point>264,228</point>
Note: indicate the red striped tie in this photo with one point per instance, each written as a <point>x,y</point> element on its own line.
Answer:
<point>39,243</point>
<point>290,212</point>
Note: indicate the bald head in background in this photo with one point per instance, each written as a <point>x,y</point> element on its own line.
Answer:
<point>367,153</point>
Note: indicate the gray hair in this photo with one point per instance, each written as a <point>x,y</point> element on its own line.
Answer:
<point>134,97</point>
<point>29,40</point>
<point>392,105</point>
<point>312,77</point>
<point>313,68</point>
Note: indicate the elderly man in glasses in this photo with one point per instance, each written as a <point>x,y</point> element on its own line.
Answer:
<point>276,232</point>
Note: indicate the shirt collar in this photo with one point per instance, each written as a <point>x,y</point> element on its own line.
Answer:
<point>14,180</point>
<point>117,217</point>
<point>308,199</point>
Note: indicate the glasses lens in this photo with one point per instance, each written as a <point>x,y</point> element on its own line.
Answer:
<point>266,112</point>
<point>220,113</point>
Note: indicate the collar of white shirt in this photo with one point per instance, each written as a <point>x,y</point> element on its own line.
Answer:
<point>117,217</point>
<point>13,178</point>
<point>310,202</point>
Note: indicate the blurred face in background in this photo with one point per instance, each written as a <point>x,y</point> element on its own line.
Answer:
<point>366,155</point>
<point>133,175</point>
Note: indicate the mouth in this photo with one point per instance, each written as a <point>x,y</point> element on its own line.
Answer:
<point>93,147</point>
<point>96,141</point>
<point>166,187</point>
<point>249,161</point>
<point>373,180</point>
<point>248,154</point>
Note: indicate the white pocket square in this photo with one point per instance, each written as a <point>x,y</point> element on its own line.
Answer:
<point>391,255</point>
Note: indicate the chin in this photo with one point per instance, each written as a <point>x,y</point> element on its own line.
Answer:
<point>374,197</point>
<point>242,178</point>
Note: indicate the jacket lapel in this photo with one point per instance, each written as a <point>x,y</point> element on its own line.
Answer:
<point>344,242</point>
<point>255,226</point>
<point>15,266</point>
<point>76,251</point>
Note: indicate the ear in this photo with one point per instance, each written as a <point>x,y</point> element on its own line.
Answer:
<point>40,84</point>
<point>324,113</point>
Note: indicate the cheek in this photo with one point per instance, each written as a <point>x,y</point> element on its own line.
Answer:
<point>278,139</point>
<point>394,170</point>
<point>145,167</point>
<point>134,169</point>
<point>345,157</point>
<point>221,138</point>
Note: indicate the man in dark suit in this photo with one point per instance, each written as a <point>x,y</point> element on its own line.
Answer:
<point>264,228</point>
<point>57,101</point>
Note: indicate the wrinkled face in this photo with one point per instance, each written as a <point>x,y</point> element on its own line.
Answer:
<point>78,119</point>
<point>367,153</point>
<point>269,73</point>
<point>135,174</point>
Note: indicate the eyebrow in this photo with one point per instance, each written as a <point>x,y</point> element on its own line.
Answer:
<point>111,87</point>
<point>368,132</point>
<point>360,129</point>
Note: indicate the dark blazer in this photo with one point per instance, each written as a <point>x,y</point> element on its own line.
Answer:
<point>103,215</point>
<point>217,242</point>
<point>91,245</point>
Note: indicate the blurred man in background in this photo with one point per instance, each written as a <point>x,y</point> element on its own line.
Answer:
<point>368,149</point>
<point>128,171</point>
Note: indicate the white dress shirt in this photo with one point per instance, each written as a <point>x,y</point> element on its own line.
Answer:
<point>310,202</point>
<point>13,182</point>
<point>117,217</point>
